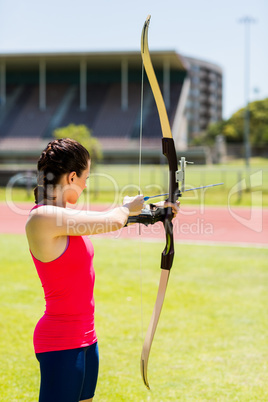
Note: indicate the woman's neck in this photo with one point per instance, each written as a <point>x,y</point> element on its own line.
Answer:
<point>55,202</point>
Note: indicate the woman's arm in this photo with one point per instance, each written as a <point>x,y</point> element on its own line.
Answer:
<point>53,221</point>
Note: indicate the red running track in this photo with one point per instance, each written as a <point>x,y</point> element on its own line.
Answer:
<point>236,226</point>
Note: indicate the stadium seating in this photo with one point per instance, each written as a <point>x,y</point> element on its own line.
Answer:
<point>23,121</point>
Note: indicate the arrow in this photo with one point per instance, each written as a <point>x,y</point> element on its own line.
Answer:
<point>189,189</point>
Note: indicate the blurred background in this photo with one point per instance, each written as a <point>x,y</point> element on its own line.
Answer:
<point>75,70</point>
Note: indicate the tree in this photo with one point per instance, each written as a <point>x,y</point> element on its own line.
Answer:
<point>83,135</point>
<point>233,128</point>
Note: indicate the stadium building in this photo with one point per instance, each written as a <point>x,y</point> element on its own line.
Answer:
<point>102,90</point>
<point>204,104</point>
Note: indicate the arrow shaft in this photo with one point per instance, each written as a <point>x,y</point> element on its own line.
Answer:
<point>189,189</point>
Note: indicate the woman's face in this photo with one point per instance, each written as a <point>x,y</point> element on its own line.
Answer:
<point>82,180</point>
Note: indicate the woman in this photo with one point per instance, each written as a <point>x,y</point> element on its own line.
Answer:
<point>65,340</point>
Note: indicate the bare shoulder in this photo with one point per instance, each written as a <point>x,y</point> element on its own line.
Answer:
<point>41,218</point>
<point>41,231</point>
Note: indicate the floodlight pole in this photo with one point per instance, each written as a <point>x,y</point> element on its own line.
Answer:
<point>247,21</point>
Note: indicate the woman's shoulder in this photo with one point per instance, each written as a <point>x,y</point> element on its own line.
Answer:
<point>42,236</point>
<point>40,215</point>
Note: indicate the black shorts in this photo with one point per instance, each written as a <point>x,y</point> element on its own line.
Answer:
<point>68,375</point>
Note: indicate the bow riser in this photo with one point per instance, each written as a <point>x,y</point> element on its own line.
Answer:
<point>170,153</point>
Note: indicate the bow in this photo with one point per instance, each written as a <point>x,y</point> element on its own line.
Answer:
<point>174,176</point>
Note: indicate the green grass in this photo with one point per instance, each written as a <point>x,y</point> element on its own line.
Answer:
<point>256,161</point>
<point>211,342</point>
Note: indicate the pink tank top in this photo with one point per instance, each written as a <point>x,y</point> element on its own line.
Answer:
<point>68,283</point>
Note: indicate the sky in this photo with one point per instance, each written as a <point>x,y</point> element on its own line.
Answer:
<point>209,30</point>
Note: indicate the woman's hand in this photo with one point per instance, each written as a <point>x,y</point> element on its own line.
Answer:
<point>175,207</point>
<point>134,204</point>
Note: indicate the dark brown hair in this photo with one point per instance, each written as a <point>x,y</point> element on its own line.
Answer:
<point>60,157</point>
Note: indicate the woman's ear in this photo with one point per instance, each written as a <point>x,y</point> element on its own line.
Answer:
<point>71,177</point>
